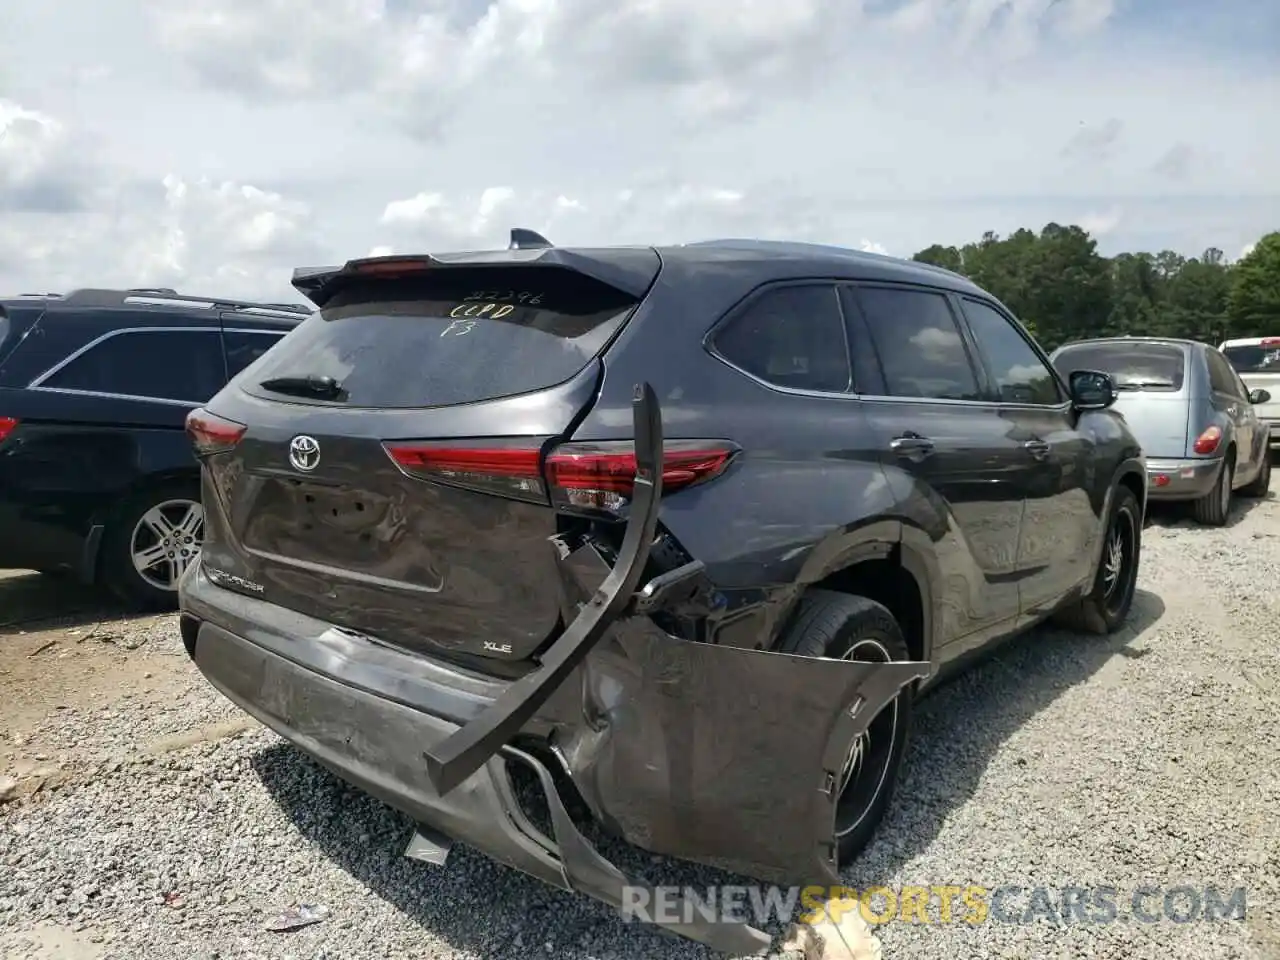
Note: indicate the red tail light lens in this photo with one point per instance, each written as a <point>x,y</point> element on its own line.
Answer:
<point>1271,342</point>
<point>509,470</point>
<point>600,476</point>
<point>577,476</point>
<point>1208,441</point>
<point>212,434</point>
<point>7,426</point>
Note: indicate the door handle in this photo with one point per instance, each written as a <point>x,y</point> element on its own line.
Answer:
<point>1037,448</point>
<point>911,446</point>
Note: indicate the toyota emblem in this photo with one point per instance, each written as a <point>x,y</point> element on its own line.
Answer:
<point>304,453</point>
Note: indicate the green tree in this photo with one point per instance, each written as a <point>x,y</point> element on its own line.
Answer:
<point>1057,281</point>
<point>1253,302</point>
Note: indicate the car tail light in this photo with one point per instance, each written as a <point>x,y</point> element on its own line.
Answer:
<point>590,476</point>
<point>212,434</point>
<point>600,476</point>
<point>7,426</point>
<point>508,469</point>
<point>1208,441</point>
<point>1271,341</point>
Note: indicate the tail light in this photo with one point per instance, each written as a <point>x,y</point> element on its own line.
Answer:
<point>507,469</point>
<point>1271,341</point>
<point>600,476</point>
<point>576,476</point>
<point>7,426</point>
<point>1208,441</point>
<point>212,434</point>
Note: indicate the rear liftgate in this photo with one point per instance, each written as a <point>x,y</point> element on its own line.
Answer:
<point>703,752</point>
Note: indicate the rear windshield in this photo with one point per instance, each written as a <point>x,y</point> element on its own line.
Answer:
<point>1254,359</point>
<point>1132,366</point>
<point>458,337</point>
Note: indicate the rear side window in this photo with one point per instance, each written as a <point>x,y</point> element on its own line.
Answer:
<point>919,344</point>
<point>244,347</point>
<point>1221,378</point>
<point>180,365</point>
<point>790,337</point>
<point>458,337</point>
<point>1020,375</point>
<point>1133,365</point>
<point>1262,358</point>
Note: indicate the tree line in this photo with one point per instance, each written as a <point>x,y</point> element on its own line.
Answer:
<point>1058,284</point>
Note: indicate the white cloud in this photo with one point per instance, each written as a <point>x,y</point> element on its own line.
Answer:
<point>1101,224</point>
<point>219,144</point>
<point>73,224</point>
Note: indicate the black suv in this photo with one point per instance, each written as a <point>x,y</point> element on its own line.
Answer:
<point>97,478</point>
<point>681,530</point>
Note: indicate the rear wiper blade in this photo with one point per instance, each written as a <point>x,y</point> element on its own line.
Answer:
<point>315,385</point>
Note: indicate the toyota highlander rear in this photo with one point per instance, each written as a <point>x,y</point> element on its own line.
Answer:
<point>433,551</point>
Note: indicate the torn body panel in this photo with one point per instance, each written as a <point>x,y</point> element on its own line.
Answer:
<point>723,755</point>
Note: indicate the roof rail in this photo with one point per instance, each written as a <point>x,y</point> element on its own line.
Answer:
<point>166,297</point>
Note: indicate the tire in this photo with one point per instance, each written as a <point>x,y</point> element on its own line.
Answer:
<point>1260,485</point>
<point>1107,605</point>
<point>1214,507</point>
<point>137,527</point>
<point>838,625</point>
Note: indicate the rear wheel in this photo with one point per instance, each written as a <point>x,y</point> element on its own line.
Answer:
<point>155,536</point>
<point>844,627</point>
<point>1260,485</point>
<point>1215,506</point>
<point>1106,607</point>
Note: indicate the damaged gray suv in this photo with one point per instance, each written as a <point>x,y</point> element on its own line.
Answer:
<point>683,531</point>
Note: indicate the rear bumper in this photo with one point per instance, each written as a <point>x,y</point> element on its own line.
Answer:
<point>1181,479</point>
<point>720,755</point>
<point>376,744</point>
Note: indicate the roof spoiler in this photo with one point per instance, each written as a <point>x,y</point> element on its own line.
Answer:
<point>629,270</point>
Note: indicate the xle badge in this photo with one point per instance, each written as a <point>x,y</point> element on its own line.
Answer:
<point>492,647</point>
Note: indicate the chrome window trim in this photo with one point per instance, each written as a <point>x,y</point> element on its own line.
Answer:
<point>81,351</point>
<point>71,391</point>
<point>38,382</point>
<point>739,308</point>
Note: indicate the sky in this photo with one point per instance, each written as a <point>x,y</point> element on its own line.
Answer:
<point>214,145</point>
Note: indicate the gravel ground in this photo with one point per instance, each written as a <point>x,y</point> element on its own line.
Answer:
<point>178,830</point>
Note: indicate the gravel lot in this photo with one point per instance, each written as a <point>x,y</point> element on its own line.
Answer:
<point>171,827</point>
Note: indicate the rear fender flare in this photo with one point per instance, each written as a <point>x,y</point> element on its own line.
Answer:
<point>890,540</point>
<point>1129,466</point>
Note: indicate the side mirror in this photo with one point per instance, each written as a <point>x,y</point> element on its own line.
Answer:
<point>1259,396</point>
<point>1092,390</point>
